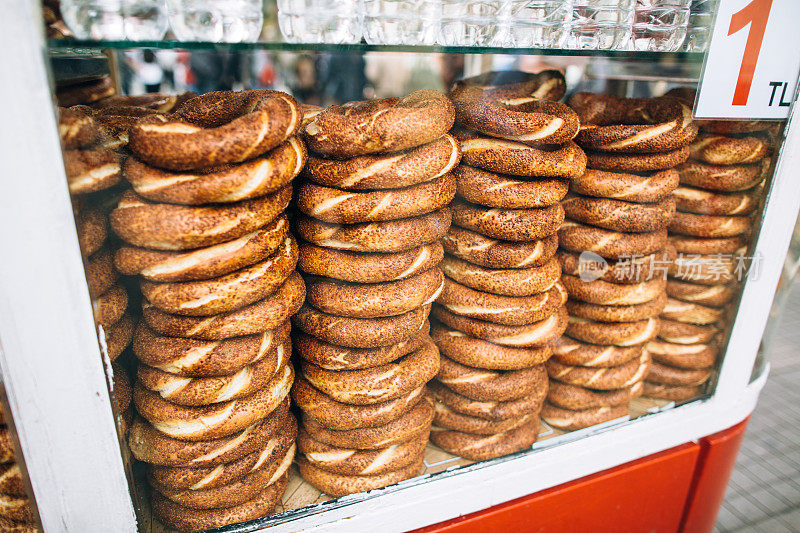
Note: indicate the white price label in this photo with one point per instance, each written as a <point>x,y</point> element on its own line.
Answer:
<point>753,61</point>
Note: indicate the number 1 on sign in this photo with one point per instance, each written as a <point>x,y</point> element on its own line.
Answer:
<point>756,13</point>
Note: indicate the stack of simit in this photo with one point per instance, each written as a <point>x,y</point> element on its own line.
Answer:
<point>502,306</point>
<point>92,169</point>
<point>613,244</point>
<point>15,509</point>
<point>205,230</point>
<point>374,208</point>
<point>721,189</point>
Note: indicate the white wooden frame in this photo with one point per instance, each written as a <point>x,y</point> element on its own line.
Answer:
<point>55,382</point>
<point>58,394</point>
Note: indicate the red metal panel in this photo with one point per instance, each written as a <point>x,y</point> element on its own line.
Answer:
<point>714,466</point>
<point>647,495</point>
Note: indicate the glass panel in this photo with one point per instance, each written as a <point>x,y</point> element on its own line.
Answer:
<point>158,265</point>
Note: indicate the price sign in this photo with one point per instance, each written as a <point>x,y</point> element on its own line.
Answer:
<point>753,61</point>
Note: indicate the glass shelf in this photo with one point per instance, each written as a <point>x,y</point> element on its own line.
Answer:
<point>67,45</point>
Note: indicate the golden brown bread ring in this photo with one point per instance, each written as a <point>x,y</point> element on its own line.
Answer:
<point>208,390</point>
<point>626,270</point>
<point>215,129</point>
<point>617,313</point>
<point>269,457</point>
<point>100,272</point>
<point>576,237</point>
<point>163,103</point>
<point>714,226</point>
<point>507,310</point>
<point>691,313</point>
<point>727,127</point>
<point>618,215</point>
<point>482,447</point>
<point>353,462</point>
<point>480,353</point>
<point>356,207</point>
<point>568,351</point>
<point>341,416</point>
<point>446,418</point>
<point>628,187</point>
<point>378,384</point>
<point>490,253</point>
<point>160,102</point>
<point>605,378</point>
<point>710,295</point>
<point>708,269</point>
<point>676,393</point>
<point>75,128</point>
<point>85,93</point>
<point>230,183</point>
<point>16,508</point>
<point>6,446</point>
<point>373,300</point>
<point>403,429</point>
<point>203,263</point>
<point>153,447</point>
<point>379,126</point>
<point>391,171</point>
<point>681,333</point>
<point>725,150</point>
<point>333,357</point>
<point>180,227</point>
<point>197,358</point>
<point>225,293</point>
<point>641,125</point>
<point>546,84</point>
<point>492,409</point>
<point>259,317</point>
<point>509,282</point>
<point>91,169</point>
<point>118,336</point>
<point>508,224</point>
<point>508,192</point>
<point>667,375</point>
<point>183,518</point>
<point>92,228</point>
<point>604,293</point>
<point>360,332</point>
<point>212,421</point>
<point>687,356</point>
<point>722,178</point>
<point>123,393</point>
<point>571,420</point>
<point>509,157</point>
<point>513,112</point>
<point>706,246</point>
<point>488,385</point>
<point>618,334</point>
<point>337,485</point>
<point>236,492</point>
<point>535,335</point>
<point>576,398</point>
<point>361,267</point>
<point>386,237</point>
<point>636,162</point>
<point>693,200</point>
<point>11,481</point>
<point>109,306</point>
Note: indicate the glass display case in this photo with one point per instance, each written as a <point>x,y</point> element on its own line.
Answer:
<point>102,304</point>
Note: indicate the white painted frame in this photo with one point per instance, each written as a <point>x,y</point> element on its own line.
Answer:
<point>50,358</point>
<point>57,390</point>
